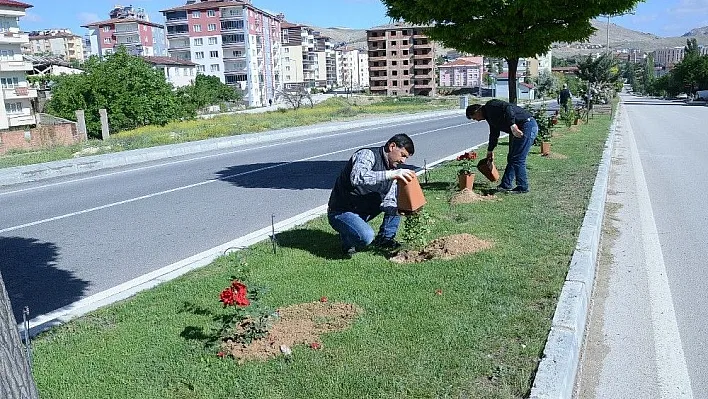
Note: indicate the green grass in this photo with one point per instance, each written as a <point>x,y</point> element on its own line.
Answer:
<point>482,338</point>
<point>333,109</point>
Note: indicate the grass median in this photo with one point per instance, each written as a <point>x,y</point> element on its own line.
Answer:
<point>474,326</point>
<point>333,109</point>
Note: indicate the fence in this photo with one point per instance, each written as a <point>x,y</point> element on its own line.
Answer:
<point>50,131</point>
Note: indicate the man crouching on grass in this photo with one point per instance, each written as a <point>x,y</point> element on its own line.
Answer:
<point>364,189</point>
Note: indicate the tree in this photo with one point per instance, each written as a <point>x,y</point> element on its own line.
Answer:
<point>208,90</point>
<point>296,96</point>
<point>510,29</point>
<point>15,375</point>
<point>546,84</point>
<point>133,93</point>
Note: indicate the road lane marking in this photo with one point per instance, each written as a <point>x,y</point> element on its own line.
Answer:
<point>227,177</point>
<point>198,158</point>
<point>673,378</point>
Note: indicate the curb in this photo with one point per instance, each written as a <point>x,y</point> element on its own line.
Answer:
<point>30,173</point>
<point>555,377</point>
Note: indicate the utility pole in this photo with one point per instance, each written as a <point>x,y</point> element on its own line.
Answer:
<point>608,33</point>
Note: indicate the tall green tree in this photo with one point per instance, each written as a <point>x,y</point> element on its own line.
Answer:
<point>208,90</point>
<point>133,93</point>
<point>509,29</point>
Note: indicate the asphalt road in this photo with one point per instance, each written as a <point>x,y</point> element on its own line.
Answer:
<point>647,332</point>
<point>72,237</point>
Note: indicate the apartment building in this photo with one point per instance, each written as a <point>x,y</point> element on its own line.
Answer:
<point>232,40</point>
<point>669,57</point>
<point>352,67</point>
<point>462,72</point>
<point>16,94</point>
<point>401,60</point>
<point>308,58</point>
<point>57,42</point>
<point>130,29</point>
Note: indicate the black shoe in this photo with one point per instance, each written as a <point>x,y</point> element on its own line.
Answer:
<point>518,190</point>
<point>348,253</point>
<point>501,189</point>
<point>386,243</point>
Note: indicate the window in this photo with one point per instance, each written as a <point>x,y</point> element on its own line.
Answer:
<point>211,13</point>
<point>287,49</point>
<point>405,72</point>
<point>196,28</point>
<point>215,67</point>
<point>237,53</point>
<point>13,108</point>
<point>195,14</point>
<point>7,54</point>
<point>199,55</point>
<point>394,83</point>
<point>394,63</point>
<point>200,68</point>
<point>107,40</point>
<point>405,62</point>
<point>213,40</point>
<point>8,82</point>
<point>394,53</point>
<point>198,41</point>
<point>405,42</point>
<point>211,27</point>
<point>393,42</point>
<point>214,54</point>
<point>405,52</point>
<point>106,28</point>
<point>393,33</point>
<point>405,83</point>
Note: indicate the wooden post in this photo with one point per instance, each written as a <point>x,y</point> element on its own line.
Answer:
<point>104,123</point>
<point>81,124</point>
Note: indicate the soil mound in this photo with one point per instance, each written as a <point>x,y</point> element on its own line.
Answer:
<point>468,196</point>
<point>447,247</point>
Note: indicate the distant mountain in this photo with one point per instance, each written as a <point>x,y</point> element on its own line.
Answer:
<point>620,38</point>
<point>697,32</point>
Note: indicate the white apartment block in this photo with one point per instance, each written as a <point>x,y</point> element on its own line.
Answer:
<point>352,68</point>
<point>669,57</point>
<point>230,39</point>
<point>58,42</point>
<point>307,58</point>
<point>16,94</point>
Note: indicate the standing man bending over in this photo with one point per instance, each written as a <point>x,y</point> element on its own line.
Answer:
<point>364,189</point>
<point>518,122</point>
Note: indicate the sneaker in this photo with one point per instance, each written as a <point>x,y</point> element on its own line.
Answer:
<point>386,243</point>
<point>501,189</point>
<point>518,190</point>
<point>348,253</point>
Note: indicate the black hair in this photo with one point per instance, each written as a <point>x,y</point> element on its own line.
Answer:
<point>471,109</point>
<point>402,141</point>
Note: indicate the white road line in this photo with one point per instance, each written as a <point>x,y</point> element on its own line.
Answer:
<point>673,379</point>
<point>98,208</point>
<point>221,153</point>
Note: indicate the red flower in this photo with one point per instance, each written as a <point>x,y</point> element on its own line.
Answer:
<point>438,292</point>
<point>227,297</point>
<point>221,354</point>
<point>316,345</point>
<point>473,155</point>
<point>323,299</point>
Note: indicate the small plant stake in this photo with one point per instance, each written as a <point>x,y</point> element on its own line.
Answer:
<point>425,171</point>
<point>273,239</point>
<point>28,341</point>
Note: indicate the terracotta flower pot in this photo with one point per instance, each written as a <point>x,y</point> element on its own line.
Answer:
<point>577,120</point>
<point>410,196</point>
<point>488,169</point>
<point>545,148</point>
<point>465,180</point>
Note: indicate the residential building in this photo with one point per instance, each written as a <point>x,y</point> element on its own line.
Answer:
<point>352,67</point>
<point>57,42</point>
<point>462,72</point>
<point>669,57</point>
<point>230,39</point>
<point>401,60</point>
<point>539,64</point>
<point>308,58</point>
<point>177,71</point>
<point>16,94</point>
<point>130,28</point>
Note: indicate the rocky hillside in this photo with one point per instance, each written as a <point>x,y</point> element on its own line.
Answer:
<point>697,32</point>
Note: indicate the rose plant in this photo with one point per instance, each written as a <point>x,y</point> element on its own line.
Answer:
<point>249,321</point>
<point>466,160</point>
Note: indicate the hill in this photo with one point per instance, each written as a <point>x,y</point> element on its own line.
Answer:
<point>697,32</point>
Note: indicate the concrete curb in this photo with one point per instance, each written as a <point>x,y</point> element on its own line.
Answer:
<point>29,173</point>
<point>555,377</point>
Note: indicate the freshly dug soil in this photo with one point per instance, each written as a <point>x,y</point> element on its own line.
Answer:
<point>555,155</point>
<point>467,196</point>
<point>297,324</point>
<point>447,247</point>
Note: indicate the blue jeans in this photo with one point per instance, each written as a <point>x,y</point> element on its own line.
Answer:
<point>356,232</point>
<point>516,160</point>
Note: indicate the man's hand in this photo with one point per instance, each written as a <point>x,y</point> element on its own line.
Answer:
<point>403,175</point>
<point>516,131</point>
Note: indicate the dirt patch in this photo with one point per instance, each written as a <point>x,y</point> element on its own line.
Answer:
<point>467,196</point>
<point>296,324</point>
<point>555,155</point>
<point>444,248</point>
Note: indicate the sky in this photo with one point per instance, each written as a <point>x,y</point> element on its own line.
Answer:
<point>660,17</point>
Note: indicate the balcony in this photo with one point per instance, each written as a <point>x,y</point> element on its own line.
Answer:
<point>11,37</point>
<point>376,38</point>
<point>15,66</point>
<point>179,45</point>
<point>20,92</point>
<point>231,45</point>
<point>427,56</point>
<point>23,119</point>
